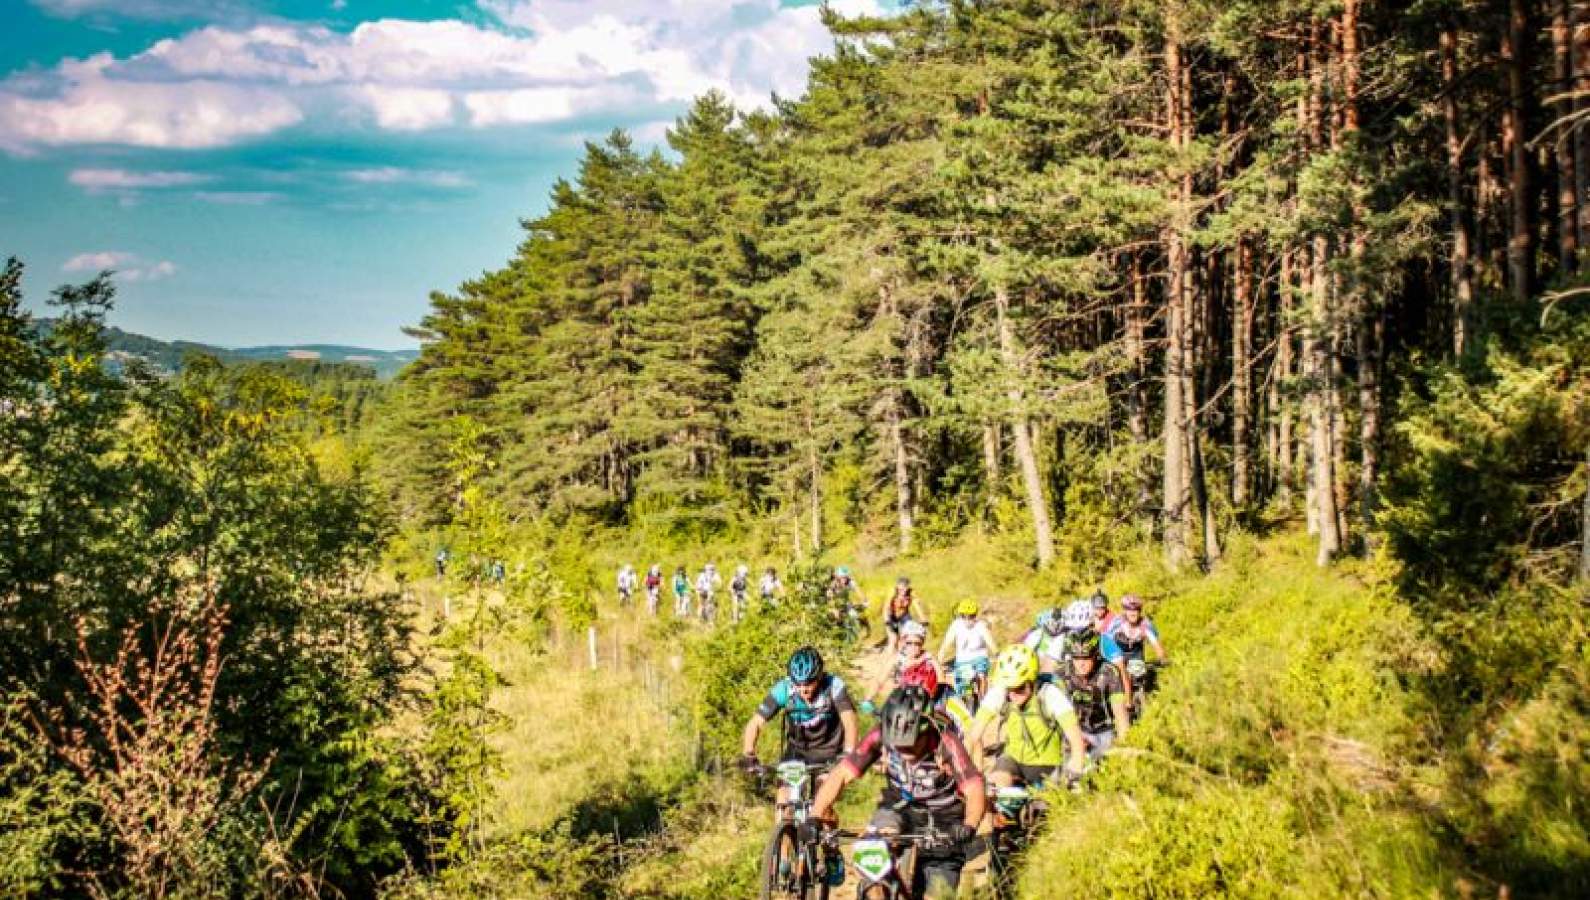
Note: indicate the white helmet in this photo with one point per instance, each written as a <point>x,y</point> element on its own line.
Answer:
<point>1078,615</point>
<point>711,567</point>
<point>913,629</point>
<point>743,569</point>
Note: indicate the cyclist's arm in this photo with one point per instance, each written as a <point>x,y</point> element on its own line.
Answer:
<point>947,645</point>
<point>771,705</point>
<point>849,769</point>
<point>1120,709</point>
<point>967,778</point>
<point>993,702</point>
<point>847,713</point>
<point>1153,641</point>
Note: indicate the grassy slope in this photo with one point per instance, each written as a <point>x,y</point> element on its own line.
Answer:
<point>1287,754</point>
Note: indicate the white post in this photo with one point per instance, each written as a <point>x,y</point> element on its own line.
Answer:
<point>590,641</point>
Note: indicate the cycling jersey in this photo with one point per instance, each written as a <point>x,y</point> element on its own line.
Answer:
<point>1032,729</point>
<point>739,584</point>
<point>770,586</point>
<point>1132,641</point>
<point>897,613</point>
<point>972,639</point>
<point>626,580</point>
<point>681,584</point>
<point>937,779</point>
<point>1046,645</point>
<point>1091,696</point>
<point>813,726</point>
<point>706,582</point>
<point>653,582</point>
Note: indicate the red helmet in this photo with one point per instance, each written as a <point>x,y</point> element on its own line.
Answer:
<point>921,675</point>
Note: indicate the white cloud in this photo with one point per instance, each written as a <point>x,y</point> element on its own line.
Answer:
<point>544,61</point>
<point>132,9</point>
<point>396,175</point>
<point>238,198</point>
<point>121,179</point>
<point>126,265</point>
<point>104,259</point>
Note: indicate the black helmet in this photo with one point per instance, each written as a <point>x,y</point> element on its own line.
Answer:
<point>805,665</point>
<point>904,716</point>
<point>1083,644</point>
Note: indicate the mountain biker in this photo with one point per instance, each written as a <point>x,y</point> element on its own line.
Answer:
<point>681,593</point>
<point>931,783</point>
<point>1097,692</point>
<point>970,643</point>
<point>441,562</point>
<point>653,587</point>
<point>1133,632</point>
<point>1103,618</point>
<point>1035,716</point>
<point>819,717</point>
<point>627,581</point>
<point>770,586</point>
<point>1046,639</point>
<point>740,587</point>
<point>913,665</point>
<point>901,609</point>
<point>840,588</point>
<point>707,584</point>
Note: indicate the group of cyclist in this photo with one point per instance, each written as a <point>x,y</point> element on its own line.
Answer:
<point>1041,710</point>
<point>704,589</point>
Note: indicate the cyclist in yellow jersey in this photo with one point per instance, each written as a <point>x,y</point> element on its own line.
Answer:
<point>1036,717</point>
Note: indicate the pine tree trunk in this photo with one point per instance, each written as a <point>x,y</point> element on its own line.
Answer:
<point>1241,374</point>
<point>1462,251</point>
<point>902,479</point>
<point>1321,332</point>
<point>1521,236</point>
<point>1177,490</point>
<point>1371,361</point>
<point>1286,467</point>
<point>1567,199</point>
<point>1137,363</point>
<point>1026,453</point>
<point>991,454</point>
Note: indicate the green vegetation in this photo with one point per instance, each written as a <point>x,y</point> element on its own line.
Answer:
<point>1270,311</point>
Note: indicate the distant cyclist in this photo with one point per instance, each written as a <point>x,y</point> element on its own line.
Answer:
<point>653,587</point>
<point>681,586</point>
<point>913,665</point>
<point>1047,641</point>
<point>770,587</point>
<point>1103,618</point>
<point>851,613</point>
<point>740,589</point>
<point>441,562</point>
<point>1134,633</point>
<point>901,608</point>
<point>627,582</point>
<point>970,644</point>
<point>707,584</point>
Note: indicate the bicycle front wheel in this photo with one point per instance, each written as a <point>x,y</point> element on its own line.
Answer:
<point>779,864</point>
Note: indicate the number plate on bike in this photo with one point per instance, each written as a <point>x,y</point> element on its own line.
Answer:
<point>872,859</point>
<point>792,773</point>
<point>1137,668</point>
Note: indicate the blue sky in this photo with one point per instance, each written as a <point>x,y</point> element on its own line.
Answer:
<point>295,171</point>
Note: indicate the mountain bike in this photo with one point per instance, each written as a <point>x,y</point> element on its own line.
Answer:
<point>886,864</point>
<point>793,868</point>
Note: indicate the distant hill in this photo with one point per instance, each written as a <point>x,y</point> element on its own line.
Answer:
<point>167,356</point>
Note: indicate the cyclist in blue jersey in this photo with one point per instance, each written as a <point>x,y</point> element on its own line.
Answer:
<point>819,716</point>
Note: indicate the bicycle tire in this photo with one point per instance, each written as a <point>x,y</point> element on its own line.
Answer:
<point>782,844</point>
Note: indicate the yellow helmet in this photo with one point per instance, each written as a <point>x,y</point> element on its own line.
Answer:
<point>966,608</point>
<point>1016,666</point>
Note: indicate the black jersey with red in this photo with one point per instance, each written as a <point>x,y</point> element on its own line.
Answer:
<point>941,777</point>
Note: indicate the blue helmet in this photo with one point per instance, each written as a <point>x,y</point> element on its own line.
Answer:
<point>805,665</point>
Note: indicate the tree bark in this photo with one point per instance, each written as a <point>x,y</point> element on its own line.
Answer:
<point>1579,60</point>
<point>1241,374</point>
<point>1026,453</point>
<point>1563,147</point>
<point>1286,468</point>
<point>1137,362</point>
<point>991,461</point>
<point>1317,349</point>
<point>1521,236</point>
<point>1177,489</point>
<point>1462,250</point>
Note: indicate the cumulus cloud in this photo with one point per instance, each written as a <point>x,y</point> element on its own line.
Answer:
<point>397,175</point>
<point>127,266</point>
<point>534,62</point>
<point>133,9</point>
<point>122,179</point>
